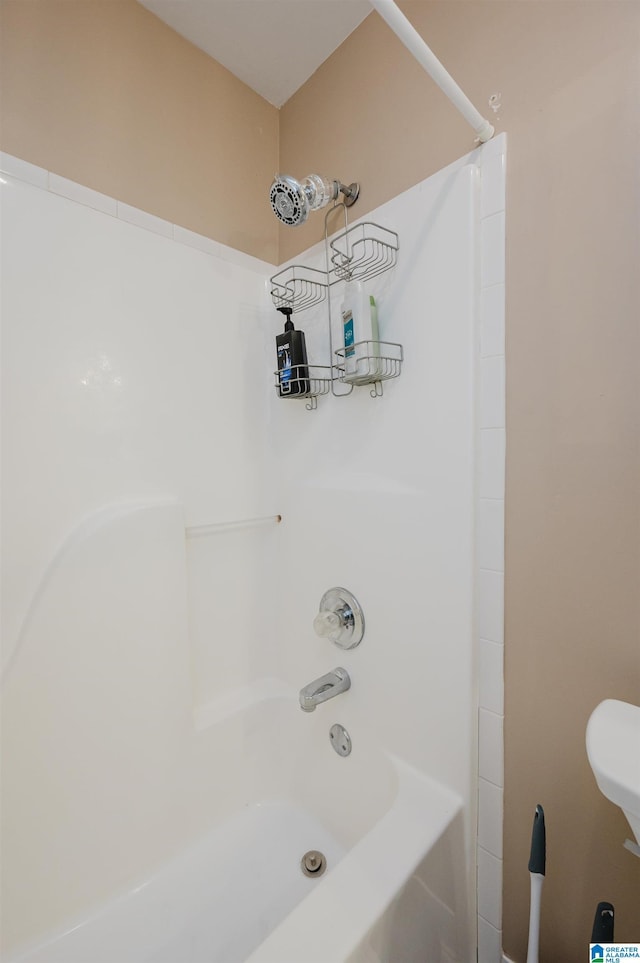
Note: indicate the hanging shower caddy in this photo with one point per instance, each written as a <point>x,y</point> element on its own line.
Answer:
<point>357,253</point>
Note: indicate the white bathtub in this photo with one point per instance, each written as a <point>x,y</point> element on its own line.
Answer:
<point>394,889</point>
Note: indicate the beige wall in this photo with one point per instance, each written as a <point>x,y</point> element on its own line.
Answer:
<point>568,76</point>
<point>104,93</point>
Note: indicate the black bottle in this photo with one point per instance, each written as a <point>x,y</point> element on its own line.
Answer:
<point>293,371</point>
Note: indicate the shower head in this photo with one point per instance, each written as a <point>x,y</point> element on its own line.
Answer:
<point>292,200</point>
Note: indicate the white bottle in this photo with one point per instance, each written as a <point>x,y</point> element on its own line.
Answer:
<point>361,336</point>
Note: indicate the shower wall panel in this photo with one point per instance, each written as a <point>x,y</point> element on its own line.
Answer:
<point>400,499</point>
<point>380,498</point>
<point>134,406</point>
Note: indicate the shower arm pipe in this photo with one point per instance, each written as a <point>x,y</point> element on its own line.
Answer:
<point>414,43</point>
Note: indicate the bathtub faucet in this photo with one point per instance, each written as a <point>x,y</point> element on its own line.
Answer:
<point>326,687</point>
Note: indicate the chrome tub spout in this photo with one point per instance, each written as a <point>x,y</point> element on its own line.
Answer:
<point>326,687</point>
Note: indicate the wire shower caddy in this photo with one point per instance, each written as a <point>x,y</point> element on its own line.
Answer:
<point>358,253</point>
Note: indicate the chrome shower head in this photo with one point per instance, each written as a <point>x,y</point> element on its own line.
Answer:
<point>292,200</point>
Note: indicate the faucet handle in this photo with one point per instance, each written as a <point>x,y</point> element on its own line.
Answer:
<point>327,624</point>
<point>340,618</point>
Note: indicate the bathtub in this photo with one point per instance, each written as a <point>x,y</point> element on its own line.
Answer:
<point>394,888</point>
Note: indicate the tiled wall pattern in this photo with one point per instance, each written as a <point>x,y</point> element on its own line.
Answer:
<point>490,550</point>
<point>491,158</point>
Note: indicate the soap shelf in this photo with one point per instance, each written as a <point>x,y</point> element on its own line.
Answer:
<point>363,251</point>
<point>308,381</point>
<point>298,287</point>
<point>373,362</point>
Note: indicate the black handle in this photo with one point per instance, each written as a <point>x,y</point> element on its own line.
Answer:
<point>537,859</point>
<point>603,924</point>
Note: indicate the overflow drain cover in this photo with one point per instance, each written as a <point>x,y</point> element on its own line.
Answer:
<point>313,863</point>
<point>340,739</point>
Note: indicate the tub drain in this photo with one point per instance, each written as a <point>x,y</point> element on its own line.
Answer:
<point>313,863</point>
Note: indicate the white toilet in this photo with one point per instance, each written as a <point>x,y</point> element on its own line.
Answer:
<point>613,748</point>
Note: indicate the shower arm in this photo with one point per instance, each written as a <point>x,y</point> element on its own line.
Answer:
<point>414,43</point>
<point>350,193</point>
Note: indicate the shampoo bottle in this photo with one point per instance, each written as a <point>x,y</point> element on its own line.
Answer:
<point>293,370</point>
<point>361,335</point>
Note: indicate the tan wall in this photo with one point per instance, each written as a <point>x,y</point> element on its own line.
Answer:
<point>104,93</point>
<point>568,76</point>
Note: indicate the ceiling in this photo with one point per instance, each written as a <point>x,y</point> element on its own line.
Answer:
<point>271,45</point>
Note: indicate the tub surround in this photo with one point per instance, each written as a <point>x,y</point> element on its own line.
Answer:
<point>138,366</point>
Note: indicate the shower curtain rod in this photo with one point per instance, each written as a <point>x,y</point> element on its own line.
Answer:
<point>427,59</point>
